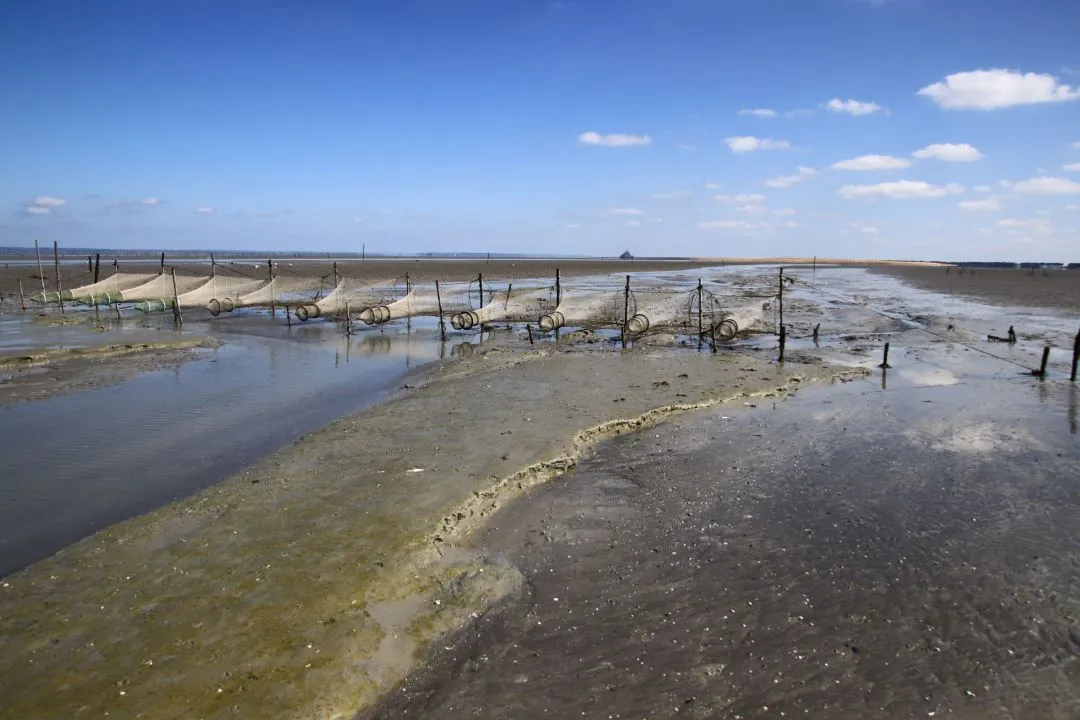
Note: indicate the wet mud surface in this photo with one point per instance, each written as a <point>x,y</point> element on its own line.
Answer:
<point>1001,286</point>
<point>851,552</point>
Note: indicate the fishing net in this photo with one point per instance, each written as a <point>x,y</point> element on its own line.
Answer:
<point>511,305</point>
<point>450,298</point>
<point>161,287</point>
<point>282,291</point>
<point>349,295</point>
<point>586,309</point>
<point>218,292</point>
<point>102,292</point>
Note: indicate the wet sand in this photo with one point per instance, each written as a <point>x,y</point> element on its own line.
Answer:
<point>1000,286</point>
<point>307,586</point>
<point>852,552</point>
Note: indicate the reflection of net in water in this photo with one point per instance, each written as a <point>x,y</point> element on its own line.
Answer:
<point>512,305</point>
<point>348,295</point>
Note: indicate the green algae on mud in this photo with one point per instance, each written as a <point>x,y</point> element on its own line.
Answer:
<point>309,584</point>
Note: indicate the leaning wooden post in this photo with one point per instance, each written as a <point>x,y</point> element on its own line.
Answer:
<point>529,328</point>
<point>1072,375</point>
<point>97,265</point>
<point>885,360</point>
<point>22,304</point>
<point>40,272</point>
<point>442,322</point>
<point>626,311</point>
<point>558,288</point>
<point>177,315</point>
<point>781,297</point>
<point>1041,372</point>
<point>59,288</point>
<point>783,341</point>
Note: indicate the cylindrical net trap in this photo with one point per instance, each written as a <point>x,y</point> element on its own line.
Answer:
<point>306,312</point>
<point>552,321</point>
<point>465,320</point>
<point>375,315</point>
<point>638,324</point>
<point>726,329</point>
<point>215,307</point>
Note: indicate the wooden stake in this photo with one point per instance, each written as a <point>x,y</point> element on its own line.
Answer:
<point>56,260</point>
<point>335,275</point>
<point>781,298</point>
<point>40,272</point>
<point>177,315</point>
<point>700,328</point>
<point>97,265</point>
<point>363,252</point>
<point>480,279</point>
<point>270,272</point>
<point>162,263</point>
<point>1072,375</point>
<point>885,360</point>
<point>22,304</point>
<point>288,316</point>
<point>1041,372</point>
<point>558,288</point>
<point>442,322</point>
<point>508,289</point>
<point>529,328</point>
<point>626,311</point>
<point>89,263</point>
<point>783,341</point>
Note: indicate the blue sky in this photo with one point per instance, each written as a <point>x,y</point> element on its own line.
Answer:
<point>862,128</point>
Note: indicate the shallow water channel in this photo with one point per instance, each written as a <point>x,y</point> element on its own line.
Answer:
<point>75,463</point>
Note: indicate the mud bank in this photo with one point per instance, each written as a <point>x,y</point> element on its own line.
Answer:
<point>847,553</point>
<point>308,585</point>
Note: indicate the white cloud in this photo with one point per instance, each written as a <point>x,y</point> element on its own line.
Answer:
<point>751,209</point>
<point>982,188</point>
<point>989,203</point>
<point>863,228</point>
<point>654,220</point>
<point>633,223</point>
<point>1047,186</point>
<point>613,140</point>
<point>997,88</point>
<point>205,210</point>
<point>714,186</point>
<point>573,226</point>
<point>853,107</point>
<point>1072,207</point>
<point>673,195</point>
<point>1034,226</point>
<point>49,202</point>
<point>685,146</point>
<point>358,219</point>
<point>759,112</point>
<point>1071,167</point>
<point>790,224</point>
<point>784,211</point>
<point>729,225</point>
<point>38,210</point>
<point>625,211</point>
<point>949,152</point>
<point>749,143</point>
<point>745,199</point>
<point>899,190</point>
<point>872,162</point>
<point>150,201</point>
<point>786,181</point>
<point>1076,145</point>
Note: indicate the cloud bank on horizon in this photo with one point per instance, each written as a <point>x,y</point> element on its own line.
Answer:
<point>857,128</point>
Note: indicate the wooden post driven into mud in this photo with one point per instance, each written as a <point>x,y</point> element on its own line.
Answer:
<point>162,263</point>
<point>480,280</point>
<point>97,265</point>
<point>529,328</point>
<point>442,322</point>
<point>700,328</point>
<point>781,296</point>
<point>626,311</point>
<point>89,263</point>
<point>56,261</point>
<point>783,341</point>
<point>558,288</point>
<point>1041,372</point>
<point>177,315</point>
<point>335,275</point>
<point>288,316</point>
<point>885,360</point>
<point>40,272</point>
<point>273,300</point>
<point>408,286</point>
<point>1072,375</point>
<point>22,304</point>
